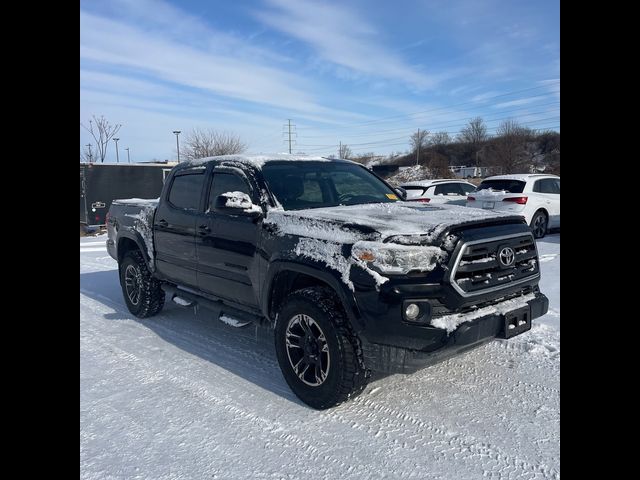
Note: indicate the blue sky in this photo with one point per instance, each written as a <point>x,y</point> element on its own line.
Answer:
<point>361,72</point>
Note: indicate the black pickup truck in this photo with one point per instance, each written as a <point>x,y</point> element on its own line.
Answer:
<point>351,278</point>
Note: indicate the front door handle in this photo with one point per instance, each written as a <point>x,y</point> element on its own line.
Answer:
<point>163,223</point>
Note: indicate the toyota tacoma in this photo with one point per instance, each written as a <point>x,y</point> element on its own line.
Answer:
<point>351,278</point>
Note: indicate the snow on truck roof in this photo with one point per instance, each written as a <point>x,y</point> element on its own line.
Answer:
<point>258,161</point>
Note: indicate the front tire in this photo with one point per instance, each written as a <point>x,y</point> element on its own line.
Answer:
<point>539,224</point>
<point>319,356</point>
<point>142,293</point>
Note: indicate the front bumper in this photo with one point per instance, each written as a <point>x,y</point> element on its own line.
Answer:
<point>381,357</point>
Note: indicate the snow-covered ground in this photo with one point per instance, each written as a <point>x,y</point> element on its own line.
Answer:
<point>183,395</point>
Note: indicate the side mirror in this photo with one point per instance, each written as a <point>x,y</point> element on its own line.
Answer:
<point>402,193</point>
<point>237,203</point>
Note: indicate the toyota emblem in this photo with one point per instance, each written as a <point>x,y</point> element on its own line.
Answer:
<point>507,256</point>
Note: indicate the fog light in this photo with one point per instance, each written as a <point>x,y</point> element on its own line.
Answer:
<point>412,311</point>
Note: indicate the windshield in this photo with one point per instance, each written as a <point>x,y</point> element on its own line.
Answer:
<point>511,186</point>
<point>308,184</point>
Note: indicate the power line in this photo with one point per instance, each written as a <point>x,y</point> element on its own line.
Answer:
<point>447,126</point>
<point>331,147</point>
<point>382,119</point>
<point>456,119</point>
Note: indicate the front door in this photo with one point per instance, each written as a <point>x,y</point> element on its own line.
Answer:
<point>226,244</point>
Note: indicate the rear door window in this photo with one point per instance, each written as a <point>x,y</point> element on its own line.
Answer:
<point>449,189</point>
<point>186,190</point>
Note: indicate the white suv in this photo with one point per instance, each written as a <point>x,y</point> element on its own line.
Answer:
<point>536,197</point>
<point>439,191</point>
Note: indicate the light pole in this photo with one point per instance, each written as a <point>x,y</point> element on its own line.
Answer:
<point>176,133</point>
<point>128,157</point>
<point>117,154</point>
<point>89,145</point>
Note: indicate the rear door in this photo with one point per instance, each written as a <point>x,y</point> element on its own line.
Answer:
<point>175,227</point>
<point>226,244</point>
<point>451,192</point>
<point>548,190</point>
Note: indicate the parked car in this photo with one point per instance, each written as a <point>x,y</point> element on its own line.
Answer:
<point>535,196</point>
<point>349,279</point>
<point>438,191</point>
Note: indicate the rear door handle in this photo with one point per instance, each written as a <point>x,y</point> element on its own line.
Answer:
<point>203,229</point>
<point>163,223</point>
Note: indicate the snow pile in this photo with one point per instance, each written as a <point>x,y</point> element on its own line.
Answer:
<point>414,173</point>
<point>240,200</point>
<point>451,322</point>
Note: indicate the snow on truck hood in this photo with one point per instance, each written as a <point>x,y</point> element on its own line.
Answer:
<point>379,221</point>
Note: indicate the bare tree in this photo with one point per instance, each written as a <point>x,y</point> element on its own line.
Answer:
<point>509,148</point>
<point>475,135</point>
<point>344,151</point>
<point>201,143</point>
<point>475,132</point>
<point>101,131</point>
<point>439,139</point>
<point>419,139</point>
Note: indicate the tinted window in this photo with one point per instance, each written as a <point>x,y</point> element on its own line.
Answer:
<point>310,184</point>
<point>226,182</point>
<point>467,188</point>
<point>185,191</point>
<point>547,185</point>
<point>511,186</point>
<point>448,189</point>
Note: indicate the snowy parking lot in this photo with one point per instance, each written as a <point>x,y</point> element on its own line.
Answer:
<point>182,395</point>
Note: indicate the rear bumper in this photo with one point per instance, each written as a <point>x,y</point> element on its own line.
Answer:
<point>471,334</point>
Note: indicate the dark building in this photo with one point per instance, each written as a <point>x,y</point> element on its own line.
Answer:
<point>101,183</point>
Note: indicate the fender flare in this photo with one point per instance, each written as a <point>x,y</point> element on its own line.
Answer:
<point>330,277</point>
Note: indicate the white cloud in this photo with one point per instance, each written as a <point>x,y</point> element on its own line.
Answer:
<point>343,37</point>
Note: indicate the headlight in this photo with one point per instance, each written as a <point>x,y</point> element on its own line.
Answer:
<point>398,259</point>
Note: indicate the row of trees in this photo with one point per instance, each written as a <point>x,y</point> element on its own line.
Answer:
<point>513,149</point>
<point>198,143</point>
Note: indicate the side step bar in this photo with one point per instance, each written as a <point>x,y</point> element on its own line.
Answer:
<point>228,315</point>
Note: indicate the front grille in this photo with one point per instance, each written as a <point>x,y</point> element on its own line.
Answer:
<point>479,269</point>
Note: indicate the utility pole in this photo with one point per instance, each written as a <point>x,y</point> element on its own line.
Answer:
<point>117,154</point>
<point>128,157</point>
<point>340,149</point>
<point>418,155</point>
<point>289,132</point>
<point>90,157</point>
<point>176,133</point>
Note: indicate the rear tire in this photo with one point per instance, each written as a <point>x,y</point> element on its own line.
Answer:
<point>539,224</point>
<point>142,293</point>
<point>318,353</point>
